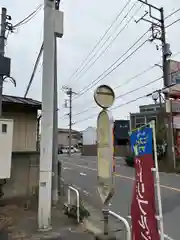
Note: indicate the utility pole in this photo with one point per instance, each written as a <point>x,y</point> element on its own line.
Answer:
<point>159,33</point>
<point>2,49</point>
<point>53,26</point>
<point>70,119</point>
<point>70,93</point>
<point>4,61</point>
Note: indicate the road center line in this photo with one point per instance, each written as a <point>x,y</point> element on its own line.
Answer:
<point>125,177</point>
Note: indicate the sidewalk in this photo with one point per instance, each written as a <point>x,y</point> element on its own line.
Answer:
<point>16,223</point>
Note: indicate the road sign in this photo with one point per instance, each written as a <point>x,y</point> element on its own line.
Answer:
<point>104,97</point>
<point>105,154</point>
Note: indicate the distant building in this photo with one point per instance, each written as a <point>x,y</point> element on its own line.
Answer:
<point>121,131</point>
<point>146,114</point>
<point>121,137</point>
<point>89,136</point>
<point>63,137</point>
<point>89,140</point>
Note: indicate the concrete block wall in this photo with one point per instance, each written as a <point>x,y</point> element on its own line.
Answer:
<point>24,176</point>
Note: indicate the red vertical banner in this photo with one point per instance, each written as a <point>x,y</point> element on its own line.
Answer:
<point>143,211</point>
<point>114,163</point>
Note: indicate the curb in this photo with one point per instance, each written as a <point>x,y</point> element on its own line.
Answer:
<point>90,227</point>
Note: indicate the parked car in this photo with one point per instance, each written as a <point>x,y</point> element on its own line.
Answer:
<point>76,150</point>
<point>60,151</point>
<point>65,150</point>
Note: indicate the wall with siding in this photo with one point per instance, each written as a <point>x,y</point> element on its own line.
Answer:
<point>24,133</point>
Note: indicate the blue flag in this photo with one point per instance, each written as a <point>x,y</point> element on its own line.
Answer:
<point>142,141</point>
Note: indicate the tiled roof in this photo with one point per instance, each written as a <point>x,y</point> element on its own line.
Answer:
<point>21,100</point>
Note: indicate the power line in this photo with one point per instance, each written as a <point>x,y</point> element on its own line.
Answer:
<point>108,46</point>
<point>97,44</point>
<point>171,14</point>
<point>138,88</point>
<point>118,106</point>
<point>126,82</point>
<point>134,77</point>
<point>178,20</point>
<point>29,17</point>
<point>101,77</point>
<point>88,87</point>
<point>112,40</point>
<point>145,85</point>
<point>127,93</point>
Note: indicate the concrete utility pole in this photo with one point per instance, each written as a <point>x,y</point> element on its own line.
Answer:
<point>159,33</point>
<point>53,26</point>
<point>70,119</point>
<point>70,93</point>
<point>2,49</point>
<point>47,120</point>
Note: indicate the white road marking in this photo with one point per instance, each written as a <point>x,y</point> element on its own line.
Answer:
<point>86,192</point>
<point>168,238</point>
<point>81,166</point>
<point>67,168</point>
<point>82,174</point>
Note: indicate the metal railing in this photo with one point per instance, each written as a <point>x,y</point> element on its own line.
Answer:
<point>70,188</point>
<point>126,224</point>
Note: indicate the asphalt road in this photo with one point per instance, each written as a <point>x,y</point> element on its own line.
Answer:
<point>82,173</point>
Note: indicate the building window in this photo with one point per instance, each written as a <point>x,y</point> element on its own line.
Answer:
<point>4,128</point>
<point>140,120</point>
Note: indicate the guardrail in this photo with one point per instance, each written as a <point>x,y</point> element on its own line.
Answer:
<point>70,188</point>
<point>106,213</point>
<point>126,224</point>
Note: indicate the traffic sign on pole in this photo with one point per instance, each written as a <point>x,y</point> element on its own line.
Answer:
<point>104,97</point>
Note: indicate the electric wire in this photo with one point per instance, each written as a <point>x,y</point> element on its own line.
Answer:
<point>99,41</point>
<point>107,72</point>
<point>143,86</point>
<point>178,20</point>
<point>82,72</point>
<point>88,87</point>
<point>126,82</point>
<point>118,106</point>
<point>129,92</point>
<point>171,14</point>
<point>29,17</point>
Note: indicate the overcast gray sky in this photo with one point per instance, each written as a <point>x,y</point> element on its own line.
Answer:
<point>85,22</point>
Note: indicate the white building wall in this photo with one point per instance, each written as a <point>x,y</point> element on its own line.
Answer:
<point>89,136</point>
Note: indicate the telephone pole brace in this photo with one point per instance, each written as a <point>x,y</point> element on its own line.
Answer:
<point>159,33</point>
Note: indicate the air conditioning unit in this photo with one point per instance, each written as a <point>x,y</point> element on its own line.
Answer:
<point>6,141</point>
